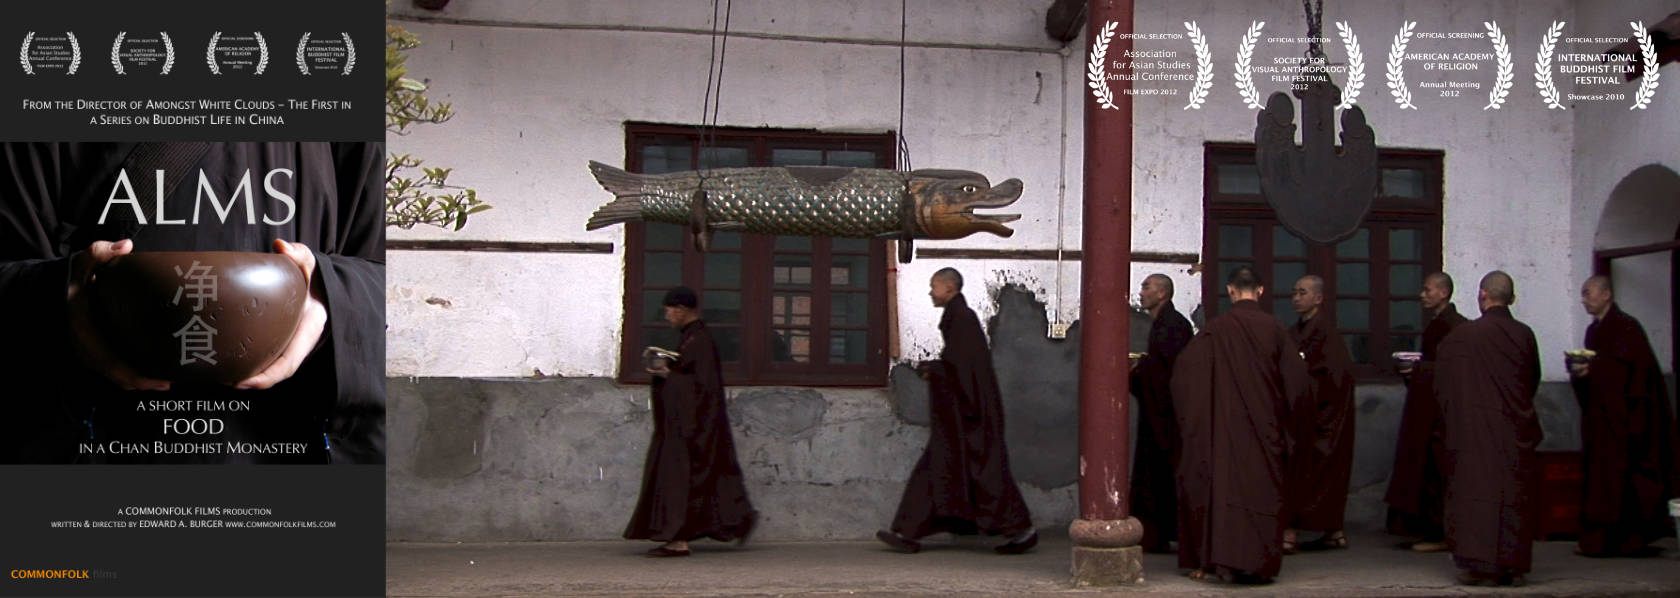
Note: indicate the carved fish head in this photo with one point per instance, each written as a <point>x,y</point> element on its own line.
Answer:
<point>944,202</point>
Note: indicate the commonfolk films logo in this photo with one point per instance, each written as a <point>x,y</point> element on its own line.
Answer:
<point>60,574</point>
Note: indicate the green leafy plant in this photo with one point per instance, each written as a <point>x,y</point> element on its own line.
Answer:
<point>415,193</point>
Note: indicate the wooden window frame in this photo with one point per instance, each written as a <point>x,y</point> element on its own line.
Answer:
<point>756,367</point>
<point>1387,212</point>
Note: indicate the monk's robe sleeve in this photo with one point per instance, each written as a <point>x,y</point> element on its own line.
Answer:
<point>351,272</point>
<point>34,269</point>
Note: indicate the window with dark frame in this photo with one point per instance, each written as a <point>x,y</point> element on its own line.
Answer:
<point>785,310</point>
<point>1371,280</point>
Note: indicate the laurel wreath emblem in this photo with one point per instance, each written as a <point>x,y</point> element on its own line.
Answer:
<point>116,49</point>
<point>1245,77</point>
<point>75,53</point>
<point>303,67</point>
<point>1397,67</point>
<point>210,53</point>
<point>1204,67</point>
<point>1502,81</point>
<point>23,54</point>
<point>1094,70</point>
<point>1543,66</point>
<point>1356,66</point>
<point>168,52</point>
<point>1647,84</point>
<point>262,53</point>
<point>350,52</point>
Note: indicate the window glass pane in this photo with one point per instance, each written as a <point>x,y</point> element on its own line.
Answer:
<point>1236,241</point>
<point>1403,342</point>
<point>1243,179</point>
<point>1359,345</point>
<point>790,346</point>
<point>1405,315</point>
<point>1353,314</point>
<point>1284,310</point>
<point>1353,279</point>
<point>664,236</point>
<point>1402,182</point>
<point>728,340</point>
<point>1284,275</point>
<point>790,309</point>
<point>1405,244</point>
<point>653,307</point>
<point>1286,244</point>
<point>1357,246</point>
<point>662,269</point>
<point>1225,270</point>
<point>853,158</point>
<point>723,240</point>
<point>850,271</point>
<point>793,243</point>
<point>667,155</point>
<point>659,336</point>
<point>848,309</point>
<point>721,307</point>
<point>848,346</point>
<point>795,157</point>
<point>844,245</point>
<point>1404,280</point>
<point>723,157</point>
<point>723,270</point>
<point>791,270</point>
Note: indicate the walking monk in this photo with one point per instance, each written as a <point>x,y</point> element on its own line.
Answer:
<point>691,485</point>
<point>1489,371</point>
<point>962,483</point>
<point>1627,433</point>
<point>1154,491</point>
<point>1322,465</point>
<point>1233,389</point>
<point>1417,486</point>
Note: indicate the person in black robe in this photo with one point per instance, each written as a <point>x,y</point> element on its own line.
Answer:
<point>1154,490</point>
<point>1234,388</point>
<point>1489,370</point>
<point>63,213</point>
<point>962,483</point>
<point>1418,484</point>
<point>1322,465</point>
<point>692,485</point>
<point>1627,433</point>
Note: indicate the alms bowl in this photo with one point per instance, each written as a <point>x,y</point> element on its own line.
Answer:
<point>1579,355</point>
<point>198,316</point>
<point>1412,356</point>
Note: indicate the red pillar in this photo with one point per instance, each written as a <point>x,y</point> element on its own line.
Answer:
<point>1105,536</point>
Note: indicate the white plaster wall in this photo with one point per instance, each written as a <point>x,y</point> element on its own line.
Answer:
<point>1611,142</point>
<point>537,102</point>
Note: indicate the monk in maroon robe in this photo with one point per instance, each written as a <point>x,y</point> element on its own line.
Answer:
<point>1627,433</point>
<point>1233,390</point>
<point>1322,465</point>
<point>691,486</point>
<point>962,483</point>
<point>1418,484</point>
<point>1154,489</point>
<point>1489,370</point>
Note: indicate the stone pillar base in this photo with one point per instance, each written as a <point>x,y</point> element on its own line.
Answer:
<point>1107,566</point>
<point>1106,553</point>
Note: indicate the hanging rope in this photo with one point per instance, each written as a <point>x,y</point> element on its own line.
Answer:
<point>903,27</point>
<point>1315,27</point>
<point>714,72</point>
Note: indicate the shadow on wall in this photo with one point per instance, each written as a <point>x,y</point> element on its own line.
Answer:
<point>1039,380</point>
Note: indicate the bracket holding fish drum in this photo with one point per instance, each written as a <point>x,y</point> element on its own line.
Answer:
<point>698,206</point>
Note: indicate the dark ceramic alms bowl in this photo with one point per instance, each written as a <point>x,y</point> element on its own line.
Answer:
<point>198,316</point>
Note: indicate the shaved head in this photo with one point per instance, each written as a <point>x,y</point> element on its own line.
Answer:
<point>950,275</point>
<point>1599,283</point>
<point>1243,279</point>
<point>1500,289</point>
<point>1440,279</point>
<point>1312,282</point>
<point>1163,280</point>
